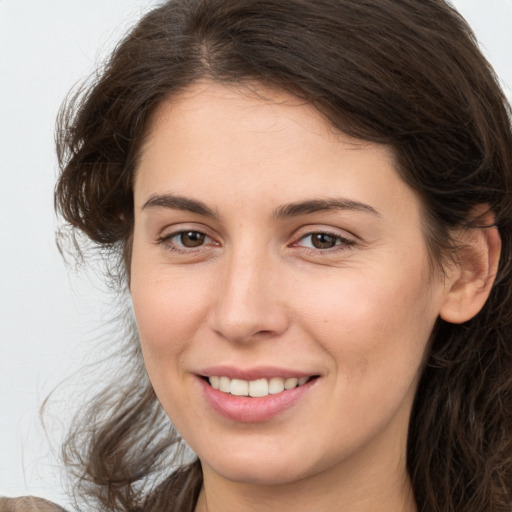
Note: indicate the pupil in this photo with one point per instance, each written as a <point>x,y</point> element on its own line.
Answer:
<point>192,238</point>
<point>323,241</point>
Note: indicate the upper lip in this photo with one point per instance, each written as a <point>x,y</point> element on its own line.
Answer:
<point>259,372</point>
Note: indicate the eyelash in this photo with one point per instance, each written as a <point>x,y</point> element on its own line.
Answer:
<point>166,241</point>
<point>341,243</point>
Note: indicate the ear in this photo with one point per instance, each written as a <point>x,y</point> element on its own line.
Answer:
<point>471,277</point>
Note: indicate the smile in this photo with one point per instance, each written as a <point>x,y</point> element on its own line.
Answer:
<point>263,394</point>
<point>256,388</point>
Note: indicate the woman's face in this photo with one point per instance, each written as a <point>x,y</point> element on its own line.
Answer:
<point>271,251</point>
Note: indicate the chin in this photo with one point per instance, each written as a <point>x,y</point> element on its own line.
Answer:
<point>259,472</point>
<point>268,466</point>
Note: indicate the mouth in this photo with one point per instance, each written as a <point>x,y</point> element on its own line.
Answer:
<point>256,388</point>
<point>255,395</point>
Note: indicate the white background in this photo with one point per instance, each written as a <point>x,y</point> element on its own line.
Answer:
<point>49,317</point>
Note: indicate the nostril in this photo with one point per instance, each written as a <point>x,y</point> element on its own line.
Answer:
<point>264,333</point>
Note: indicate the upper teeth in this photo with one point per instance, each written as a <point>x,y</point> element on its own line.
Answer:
<point>255,388</point>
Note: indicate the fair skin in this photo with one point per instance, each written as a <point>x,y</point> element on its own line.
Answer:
<point>267,245</point>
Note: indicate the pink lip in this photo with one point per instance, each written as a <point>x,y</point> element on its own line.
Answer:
<point>253,410</point>
<point>261,372</point>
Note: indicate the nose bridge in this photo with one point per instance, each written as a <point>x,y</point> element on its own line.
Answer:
<point>247,301</point>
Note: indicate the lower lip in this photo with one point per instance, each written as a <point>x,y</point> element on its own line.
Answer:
<point>253,410</point>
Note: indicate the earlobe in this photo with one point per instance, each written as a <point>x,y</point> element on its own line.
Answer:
<point>471,278</point>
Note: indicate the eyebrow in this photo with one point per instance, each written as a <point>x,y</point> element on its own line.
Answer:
<point>322,205</point>
<point>287,210</point>
<point>178,203</point>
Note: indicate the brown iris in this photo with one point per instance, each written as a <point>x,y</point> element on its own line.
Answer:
<point>323,240</point>
<point>192,238</point>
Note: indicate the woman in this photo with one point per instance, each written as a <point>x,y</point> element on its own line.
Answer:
<point>310,203</point>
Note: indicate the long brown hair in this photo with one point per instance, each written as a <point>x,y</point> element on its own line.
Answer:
<point>406,73</point>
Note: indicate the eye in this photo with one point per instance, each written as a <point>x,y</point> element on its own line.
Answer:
<point>187,239</point>
<point>190,238</point>
<point>323,240</point>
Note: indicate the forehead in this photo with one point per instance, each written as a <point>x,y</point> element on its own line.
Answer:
<point>205,107</point>
<point>259,145</point>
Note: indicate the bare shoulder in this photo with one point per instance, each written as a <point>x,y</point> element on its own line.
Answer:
<point>28,504</point>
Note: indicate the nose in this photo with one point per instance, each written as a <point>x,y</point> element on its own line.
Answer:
<point>249,304</point>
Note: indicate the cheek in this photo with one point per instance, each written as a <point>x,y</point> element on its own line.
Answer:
<point>167,314</point>
<point>168,307</point>
<point>376,327</point>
